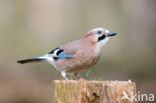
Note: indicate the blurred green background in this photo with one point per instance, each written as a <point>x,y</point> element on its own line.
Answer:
<point>30,28</point>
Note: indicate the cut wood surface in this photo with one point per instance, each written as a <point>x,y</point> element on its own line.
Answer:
<point>82,91</point>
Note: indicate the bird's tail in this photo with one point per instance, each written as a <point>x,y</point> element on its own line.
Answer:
<point>36,59</point>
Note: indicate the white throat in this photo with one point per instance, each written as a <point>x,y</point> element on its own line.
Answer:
<point>101,44</point>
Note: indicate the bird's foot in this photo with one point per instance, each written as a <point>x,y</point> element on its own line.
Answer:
<point>78,77</point>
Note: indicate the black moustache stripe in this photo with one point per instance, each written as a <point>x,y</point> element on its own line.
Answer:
<point>101,38</point>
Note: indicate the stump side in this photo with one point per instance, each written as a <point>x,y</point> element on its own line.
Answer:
<point>73,91</point>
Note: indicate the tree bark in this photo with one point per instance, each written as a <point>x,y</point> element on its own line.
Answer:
<point>73,91</point>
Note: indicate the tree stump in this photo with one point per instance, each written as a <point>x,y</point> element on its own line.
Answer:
<point>73,91</point>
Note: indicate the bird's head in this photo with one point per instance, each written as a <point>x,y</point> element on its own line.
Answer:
<point>99,36</point>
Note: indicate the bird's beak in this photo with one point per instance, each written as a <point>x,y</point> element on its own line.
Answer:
<point>111,34</point>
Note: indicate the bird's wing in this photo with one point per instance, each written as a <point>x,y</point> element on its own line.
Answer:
<point>72,47</point>
<point>66,51</point>
<point>59,53</point>
<point>64,56</point>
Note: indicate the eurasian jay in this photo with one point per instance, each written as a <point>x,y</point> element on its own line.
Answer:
<point>77,55</point>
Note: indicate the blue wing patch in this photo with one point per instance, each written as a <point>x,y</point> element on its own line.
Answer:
<point>59,54</point>
<point>64,56</point>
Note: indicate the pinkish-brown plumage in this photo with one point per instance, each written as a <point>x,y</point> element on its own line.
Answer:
<point>84,56</point>
<point>77,55</point>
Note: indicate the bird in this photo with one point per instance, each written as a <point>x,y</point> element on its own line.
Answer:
<point>78,55</point>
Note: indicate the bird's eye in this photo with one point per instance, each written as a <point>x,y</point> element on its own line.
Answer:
<point>99,32</point>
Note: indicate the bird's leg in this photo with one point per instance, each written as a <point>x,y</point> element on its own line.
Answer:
<point>78,76</point>
<point>70,75</point>
<point>63,73</point>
